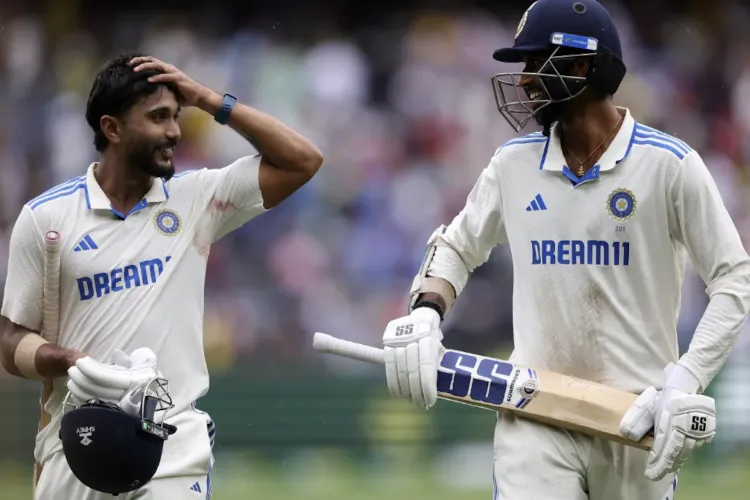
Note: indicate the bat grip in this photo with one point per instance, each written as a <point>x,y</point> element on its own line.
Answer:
<point>326,343</point>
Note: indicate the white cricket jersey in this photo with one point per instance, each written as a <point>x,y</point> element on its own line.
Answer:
<point>131,280</point>
<point>598,262</point>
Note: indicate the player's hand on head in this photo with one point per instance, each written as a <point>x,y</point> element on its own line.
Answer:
<point>190,92</point>
<point>90,379</point>
<point>411,348</point>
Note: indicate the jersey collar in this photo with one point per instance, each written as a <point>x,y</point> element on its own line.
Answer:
<point>618,150</point>
<point>96,199</point>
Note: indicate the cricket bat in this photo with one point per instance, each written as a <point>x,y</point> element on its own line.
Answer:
<point>50,318</point>
<point>550,398</point>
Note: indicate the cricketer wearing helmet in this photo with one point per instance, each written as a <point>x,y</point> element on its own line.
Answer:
<point>135,239</point>
<point>601,214</point>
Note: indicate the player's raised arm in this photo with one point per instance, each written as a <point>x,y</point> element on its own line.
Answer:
<point>411,343</point>
<point>289,159</point>
<point>252,184</point>
<point>23,351</point>
<point>700,221</point>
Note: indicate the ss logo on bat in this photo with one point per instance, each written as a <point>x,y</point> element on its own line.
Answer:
<point>406,329</point>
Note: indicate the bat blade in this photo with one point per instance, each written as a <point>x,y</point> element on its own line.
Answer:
<point>550,398</point>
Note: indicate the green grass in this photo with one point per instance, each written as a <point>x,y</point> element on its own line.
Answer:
<point>332,476</point>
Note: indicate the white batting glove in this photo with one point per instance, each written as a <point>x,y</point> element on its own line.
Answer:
<point>90,379</point>
<point>681,421</point>
<point>411,346</point>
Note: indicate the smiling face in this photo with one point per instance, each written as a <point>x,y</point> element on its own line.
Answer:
<point>149,131</point>
<point>546,80</point>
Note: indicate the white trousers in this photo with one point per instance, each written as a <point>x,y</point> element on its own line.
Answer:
<point>537,462</point>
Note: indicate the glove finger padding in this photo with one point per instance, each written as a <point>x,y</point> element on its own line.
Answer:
<point>428,365</point>
<point>120,358</point>
<point>112,375</point>
<point>639,419</point>
<point>143,358</point>
<point>415,379</point>
<point>82,388</point>
<point>391,372</point>
<point>402,369</point>
<point>683,452</point>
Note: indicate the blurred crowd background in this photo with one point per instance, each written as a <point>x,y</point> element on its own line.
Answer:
<point>398,97</point>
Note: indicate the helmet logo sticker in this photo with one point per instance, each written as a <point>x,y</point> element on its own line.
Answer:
<point>522,24</point>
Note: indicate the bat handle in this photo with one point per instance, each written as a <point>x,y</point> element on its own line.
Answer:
<point>327,343</point>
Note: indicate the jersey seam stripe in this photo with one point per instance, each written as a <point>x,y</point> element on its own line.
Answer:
<point>57,188</point>
<point>68,190</point>
<point>660,145</point>
<point>525,140</point>
<point>660,132</point>
<point>61,194</point>
<point>640,129</point>
<point>663,140</point>
<point>186,172</point>
<point>521,141</point>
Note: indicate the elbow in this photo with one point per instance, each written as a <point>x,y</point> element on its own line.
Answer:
<point>311,159</point>
<point>7,347</point>
<point>734,282</point>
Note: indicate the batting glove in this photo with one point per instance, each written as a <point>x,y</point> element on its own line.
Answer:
<point>411,348</point>
<point>90,379</point>
<point>682,422</point>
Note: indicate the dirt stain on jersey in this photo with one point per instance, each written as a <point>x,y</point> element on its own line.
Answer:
<point>573,329</point>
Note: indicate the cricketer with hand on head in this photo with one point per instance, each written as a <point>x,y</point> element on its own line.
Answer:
<point>601,214</point>
<point>135,239</point>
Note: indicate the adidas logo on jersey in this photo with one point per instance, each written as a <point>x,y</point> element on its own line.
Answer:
<point>196,487</point>
<point>536,204</point>
<point>87,243</point>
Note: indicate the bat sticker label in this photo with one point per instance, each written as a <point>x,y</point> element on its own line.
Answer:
<point>486,380</point>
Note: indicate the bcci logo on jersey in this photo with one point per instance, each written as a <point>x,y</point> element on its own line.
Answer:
<point>621,204</point>
<point>167,222</point>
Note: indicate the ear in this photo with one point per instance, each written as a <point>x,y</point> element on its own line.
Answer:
<point>581,66</point>
<point>111,128</point>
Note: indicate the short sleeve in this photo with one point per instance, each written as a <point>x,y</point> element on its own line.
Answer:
<point>235,196</point>
<point>22,299</point>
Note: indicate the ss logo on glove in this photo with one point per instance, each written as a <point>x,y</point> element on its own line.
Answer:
<point>404,329</point>
<point>699,424</point>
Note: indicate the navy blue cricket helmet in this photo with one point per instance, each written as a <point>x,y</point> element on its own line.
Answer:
<point>558,31</point>
<point>116,448</point>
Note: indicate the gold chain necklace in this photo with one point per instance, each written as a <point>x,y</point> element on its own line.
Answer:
<point>580,170</point>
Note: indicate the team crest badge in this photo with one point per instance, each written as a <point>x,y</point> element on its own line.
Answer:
<point>621,204</point>
<point>522,24</point>
<point>168,222</point>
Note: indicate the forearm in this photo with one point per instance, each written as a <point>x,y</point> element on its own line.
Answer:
<point>440,279</point>
<point>279,145</point>
<point>25,354</point>
<point>715,337</point>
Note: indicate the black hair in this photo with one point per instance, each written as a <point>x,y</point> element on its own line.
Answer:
<point>115,90</point>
